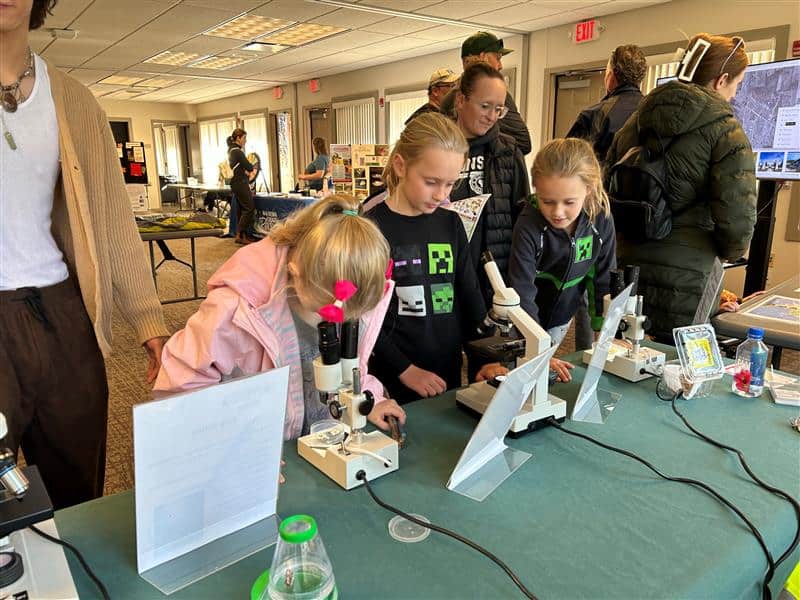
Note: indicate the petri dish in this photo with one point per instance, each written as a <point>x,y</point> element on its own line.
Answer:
<point>407,531</point>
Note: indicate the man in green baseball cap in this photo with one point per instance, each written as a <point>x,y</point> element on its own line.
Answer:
<point>481,43</point>
<point>487,47</point>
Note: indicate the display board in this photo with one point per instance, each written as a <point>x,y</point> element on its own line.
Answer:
<point>767,105</point>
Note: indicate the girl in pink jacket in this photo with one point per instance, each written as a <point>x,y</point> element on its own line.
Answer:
<point>263,307</point>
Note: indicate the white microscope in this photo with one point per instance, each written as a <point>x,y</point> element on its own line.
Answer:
<point>344,449</point>
<point>634,362</point>
<point>507,314</point>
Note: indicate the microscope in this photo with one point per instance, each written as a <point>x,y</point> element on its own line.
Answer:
<point>512,321</point>
<point>30,566</point>
<point>634,362</point>
<point>344,449</point>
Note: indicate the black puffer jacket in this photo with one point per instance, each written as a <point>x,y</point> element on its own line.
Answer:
<point>505,178</point>
<point>711,179</point>
<point>598,123</point>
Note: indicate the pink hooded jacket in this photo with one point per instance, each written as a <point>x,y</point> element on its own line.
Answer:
<point>245,326</point>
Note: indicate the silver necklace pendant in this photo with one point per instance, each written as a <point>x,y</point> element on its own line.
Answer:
<point>9,102</point>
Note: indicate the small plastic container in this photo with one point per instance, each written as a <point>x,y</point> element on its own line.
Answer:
<point>751,365</point>
<point>300,567</point>
<point>700,358</point>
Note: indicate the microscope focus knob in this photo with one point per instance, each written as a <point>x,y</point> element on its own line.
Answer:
<point>335,409</point>
<point>623,325</point>
<point>646,324</point>
<point>365,407</point>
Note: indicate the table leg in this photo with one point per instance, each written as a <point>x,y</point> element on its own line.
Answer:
<point>194,269</point>
<point>153,263</point>
<point>777,353</point>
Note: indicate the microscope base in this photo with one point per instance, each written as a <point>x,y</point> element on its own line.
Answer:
<point>47,573</point>
<point>343,468</point>
<point>477,397</point>
<point>628,367</point>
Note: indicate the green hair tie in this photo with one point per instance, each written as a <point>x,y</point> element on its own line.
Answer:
<point>351,212</point>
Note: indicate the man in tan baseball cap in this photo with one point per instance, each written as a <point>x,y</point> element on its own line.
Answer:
<point>441,82</point>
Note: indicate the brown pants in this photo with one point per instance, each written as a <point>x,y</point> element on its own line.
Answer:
<point>53,389</point>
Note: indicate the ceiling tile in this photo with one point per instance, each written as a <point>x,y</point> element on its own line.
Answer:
<point>406,5</point>
<point>234,5</point>
<point>73,53</point>
<point>513,16</point>
<point>463,9</point>
<point>88,76</point>
<point>398,26</point>
<point>65,12</point>
<point>349,19</point>
<point>351,40</point>
<point>293,10</point>
<point>443,33</point>
<point>203,44</point>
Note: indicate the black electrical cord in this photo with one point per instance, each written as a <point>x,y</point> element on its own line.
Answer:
<point>78,555</point>
<point>778,492</point>
<point>766,594</point>
<point>362,476</point>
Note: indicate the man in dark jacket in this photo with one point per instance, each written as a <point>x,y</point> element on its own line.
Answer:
<point>485,47</point>
<point>441,82</point>
<point>597,124</point>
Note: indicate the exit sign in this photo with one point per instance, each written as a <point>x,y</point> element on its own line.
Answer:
<point>586,31</point>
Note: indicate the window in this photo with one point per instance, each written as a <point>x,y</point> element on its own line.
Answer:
<point>214,147</point>
<point>665,65</point>
<point>402,106</point>
<point>355,121</point>
<point>256,128</point>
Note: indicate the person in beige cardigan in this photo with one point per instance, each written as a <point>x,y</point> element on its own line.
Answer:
<point>69,251</point>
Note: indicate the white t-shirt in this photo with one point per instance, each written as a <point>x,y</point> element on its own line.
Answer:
<point>29,256</point>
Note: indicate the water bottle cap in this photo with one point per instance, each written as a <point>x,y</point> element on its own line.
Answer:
<point>755,333</point>
<point>298,529</point>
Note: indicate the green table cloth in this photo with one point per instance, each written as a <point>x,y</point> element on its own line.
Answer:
<point>575,521</point>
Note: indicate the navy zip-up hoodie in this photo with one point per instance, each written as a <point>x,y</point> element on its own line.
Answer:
<point>550,269</point>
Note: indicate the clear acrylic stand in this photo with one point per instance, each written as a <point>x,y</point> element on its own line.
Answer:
<point>595,405</point>
<point>176,574</point>
<point>486,461</point>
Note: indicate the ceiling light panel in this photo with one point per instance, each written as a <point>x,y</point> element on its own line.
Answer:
<point>248,27</point>
<point>303,33</point>
<point>175,59</point>
<point>220,63</point>
<point>121,80</point>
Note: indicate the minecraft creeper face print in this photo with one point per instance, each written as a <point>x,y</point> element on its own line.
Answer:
<point>583,248</point>
<point>442,298</point>
<point>440,259</point>
<point>407,262</point>
<point>410,301</point>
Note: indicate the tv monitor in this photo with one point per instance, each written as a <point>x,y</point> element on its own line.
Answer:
<point>767,105</point>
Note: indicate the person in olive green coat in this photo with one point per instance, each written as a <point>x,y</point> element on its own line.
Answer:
<point>710,177</point>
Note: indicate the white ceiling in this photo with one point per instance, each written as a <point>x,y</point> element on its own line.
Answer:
<point>116,36</point>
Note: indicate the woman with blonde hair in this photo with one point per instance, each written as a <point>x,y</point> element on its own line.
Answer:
<point>265,302</point>
<point>710,177</point>
<point>564,241</point>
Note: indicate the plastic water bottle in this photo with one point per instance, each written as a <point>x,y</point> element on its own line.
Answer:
<point>751,365</point>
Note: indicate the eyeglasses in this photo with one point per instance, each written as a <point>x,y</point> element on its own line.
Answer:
<point>501,110</point>
<point>739,42</point>
<point>448,86</point>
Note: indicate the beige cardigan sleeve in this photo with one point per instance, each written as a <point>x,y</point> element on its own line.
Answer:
<point>132,281</point>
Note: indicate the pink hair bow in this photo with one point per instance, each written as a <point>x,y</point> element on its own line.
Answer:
<point>343,290</point>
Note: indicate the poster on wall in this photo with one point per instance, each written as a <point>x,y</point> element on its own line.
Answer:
<point>341,163</point>
<point>368,163</point>
<point>131,158</point>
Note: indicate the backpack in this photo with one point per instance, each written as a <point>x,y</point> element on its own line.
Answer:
<point>226,171</point>
<point>638,191</point>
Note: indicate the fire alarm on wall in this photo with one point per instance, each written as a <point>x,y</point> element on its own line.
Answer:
<point>313,85</point>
